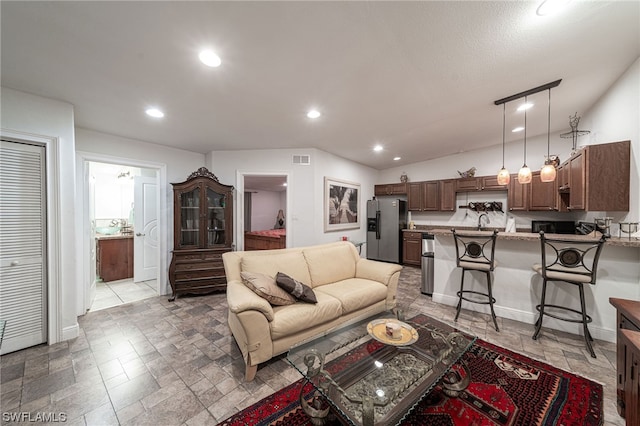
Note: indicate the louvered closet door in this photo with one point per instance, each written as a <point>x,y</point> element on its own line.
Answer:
<point>22,245</point>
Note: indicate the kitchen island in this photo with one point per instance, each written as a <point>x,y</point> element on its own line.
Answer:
<point>517,287</point>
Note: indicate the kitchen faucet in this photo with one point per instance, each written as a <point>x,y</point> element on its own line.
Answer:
<point>480,220</point>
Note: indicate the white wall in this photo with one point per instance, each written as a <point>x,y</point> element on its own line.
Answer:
<point>264,208</point>
<point>179,164</point>
<point>26,113</point>
<point>305,187</point>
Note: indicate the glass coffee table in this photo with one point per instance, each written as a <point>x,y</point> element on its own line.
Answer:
<point>375,371</point>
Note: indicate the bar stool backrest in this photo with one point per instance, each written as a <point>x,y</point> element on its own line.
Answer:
<point>569,256</point>
<point>475,248</point>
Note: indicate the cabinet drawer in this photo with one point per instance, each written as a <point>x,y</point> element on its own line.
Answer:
<point>413,235</point>
<point>185,284</point>
<point>199,265</point>
<point>190,257</point>
<point>200,273</point>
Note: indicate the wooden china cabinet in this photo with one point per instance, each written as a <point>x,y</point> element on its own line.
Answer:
<point>203,231</point>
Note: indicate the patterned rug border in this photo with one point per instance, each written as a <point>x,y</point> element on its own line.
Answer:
<point>291,391</point>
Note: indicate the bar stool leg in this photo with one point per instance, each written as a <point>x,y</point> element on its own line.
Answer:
<point>541,305</point>
<point>460,296</point>
<point>587,335</point>
<point>491,300</point>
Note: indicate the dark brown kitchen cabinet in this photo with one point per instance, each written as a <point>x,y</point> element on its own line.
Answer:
<point>480,183</point>
<point>598,178</point>
<point>518,196</point>
<point>447,191</point>
<point>411,248</point>
<point>628,358</point>
<point>203,227</point>
<point>423,196</point>
<point>543,196</point>
<point>390,189</point>
<point>114,257</point>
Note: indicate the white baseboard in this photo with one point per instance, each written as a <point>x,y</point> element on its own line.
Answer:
<point>72,332</point>
<point>600,333</point>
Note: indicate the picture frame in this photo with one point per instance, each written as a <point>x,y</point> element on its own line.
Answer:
<point>341,205</point>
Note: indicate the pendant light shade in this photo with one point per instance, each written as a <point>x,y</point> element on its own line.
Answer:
<point>503,175</point>
<point>548,171</point>
<point>524,175</point>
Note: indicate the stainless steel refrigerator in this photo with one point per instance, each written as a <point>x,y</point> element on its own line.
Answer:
<point>386,218</point>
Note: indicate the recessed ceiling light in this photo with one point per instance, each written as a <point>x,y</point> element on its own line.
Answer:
<point>525,106</point>
<point>378,148</point>
<point>155,113</point>
<point>518,129</point>
<point>313,113</point>
<point>551,7</point>
<point>396,158</point>
<point>209,58</point>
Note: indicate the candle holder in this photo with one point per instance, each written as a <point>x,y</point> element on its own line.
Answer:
<point>628,228</point>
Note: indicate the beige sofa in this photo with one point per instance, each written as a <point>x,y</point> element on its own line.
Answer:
<point>347,287</point>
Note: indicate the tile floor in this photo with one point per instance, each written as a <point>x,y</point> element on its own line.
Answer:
<point>163,363</point>
<point>115,293</point>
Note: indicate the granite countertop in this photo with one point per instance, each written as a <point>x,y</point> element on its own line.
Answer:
<point>524,235</point>
<point>113,237</point>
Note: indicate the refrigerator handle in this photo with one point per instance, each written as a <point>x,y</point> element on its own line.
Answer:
<point>377,224</point>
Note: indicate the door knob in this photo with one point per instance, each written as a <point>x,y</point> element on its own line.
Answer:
<point>138,234</point>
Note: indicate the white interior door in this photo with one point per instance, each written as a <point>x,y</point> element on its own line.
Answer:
<point>91,294</point>
<point>23,297</point>
<point>145,226</point>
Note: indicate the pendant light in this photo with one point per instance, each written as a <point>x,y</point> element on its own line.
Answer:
<point>503,175</point>
<point>524,175</point>
<point>548,171</point>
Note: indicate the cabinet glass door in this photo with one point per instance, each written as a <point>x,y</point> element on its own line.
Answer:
<point>216,224</point>
<point>190,218</point>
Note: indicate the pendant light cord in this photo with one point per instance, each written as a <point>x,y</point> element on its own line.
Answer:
<point>548,128</point>
<point>504,115</point>
<point>525,133</point>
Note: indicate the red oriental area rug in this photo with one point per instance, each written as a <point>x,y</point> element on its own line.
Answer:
<point>506,389</point>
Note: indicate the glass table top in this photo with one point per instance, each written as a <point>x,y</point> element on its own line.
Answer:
<point>373,373</point>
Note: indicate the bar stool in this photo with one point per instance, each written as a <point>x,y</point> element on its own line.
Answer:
<point>571,262</point>
<point>475,252</point>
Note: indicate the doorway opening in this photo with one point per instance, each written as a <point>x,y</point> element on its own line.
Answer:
<point>122,234</point>
<point>264,211</point>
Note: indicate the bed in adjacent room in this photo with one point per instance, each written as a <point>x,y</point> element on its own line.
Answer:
<point>268,239</point>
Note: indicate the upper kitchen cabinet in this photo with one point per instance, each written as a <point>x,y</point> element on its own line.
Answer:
<point>390,189</point>
<point>423,196</point>
<point>447,190</point>
<point>203,227</point>
<point>481,183</point>
<point>598,178</point>
<point>543,196</point>
<point>518,196</point>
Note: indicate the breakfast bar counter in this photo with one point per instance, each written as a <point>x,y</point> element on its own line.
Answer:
<point>517,287</point>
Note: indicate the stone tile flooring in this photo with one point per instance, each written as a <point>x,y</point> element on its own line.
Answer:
<point>163,363</point>
<point>115,293</point>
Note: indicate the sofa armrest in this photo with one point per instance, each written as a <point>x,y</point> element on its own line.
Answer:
<point>377,271</point>
<point>240,298</point>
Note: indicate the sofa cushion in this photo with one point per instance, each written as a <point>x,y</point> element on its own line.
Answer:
<point>267,288</point>
<point>330,264</point>
<point>354,293</point>
<point>288,320</point>
<point>291,263</point>
<point>295,288</point>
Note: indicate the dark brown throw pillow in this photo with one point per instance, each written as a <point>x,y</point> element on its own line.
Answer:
<point>296,288</point>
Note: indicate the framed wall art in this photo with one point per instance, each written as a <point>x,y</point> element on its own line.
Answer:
<point>341,205</point>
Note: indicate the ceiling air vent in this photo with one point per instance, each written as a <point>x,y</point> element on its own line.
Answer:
<point>303,160</point>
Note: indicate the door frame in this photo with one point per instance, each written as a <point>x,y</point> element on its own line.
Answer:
<point>82,160</point>
<point>53,232</point>
<point>239,200</point>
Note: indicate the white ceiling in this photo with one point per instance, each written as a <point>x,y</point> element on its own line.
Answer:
<point>419,78</point>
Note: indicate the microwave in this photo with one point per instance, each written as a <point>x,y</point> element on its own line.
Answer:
<point>553,226</point>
